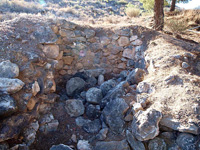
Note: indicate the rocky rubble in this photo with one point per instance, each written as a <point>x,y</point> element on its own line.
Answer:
<point>79,83</point>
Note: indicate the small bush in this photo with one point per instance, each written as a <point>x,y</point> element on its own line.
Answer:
<point>176,26</point>
<point>132,11</point>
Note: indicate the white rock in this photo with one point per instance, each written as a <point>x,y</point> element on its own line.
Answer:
<point>35,88</point>
<point>83,145</point>
<point>10,85</point>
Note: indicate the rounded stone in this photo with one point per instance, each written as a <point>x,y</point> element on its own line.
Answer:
<point>8,70</point>
<point>94,95</point>
<point>74,107</point>
<point>75,85</point>
<point>51,51</point>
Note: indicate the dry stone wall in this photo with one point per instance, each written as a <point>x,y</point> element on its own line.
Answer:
<point>81,48</point>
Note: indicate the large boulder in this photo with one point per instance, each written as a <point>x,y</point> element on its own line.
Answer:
<point>145,124</point>
<point>60,147</point>
<point>74,107</point>
<point>114,114</point>
<point>8,70</point>
<point>75,85</point>
<point>94,95</point>
<point>135,76</point>
<point>112,145</point>
<point>7,105</point>
<point>10,85</point>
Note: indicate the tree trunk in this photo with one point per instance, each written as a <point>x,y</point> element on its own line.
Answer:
<point>172,8</point>
<point>158,15</point>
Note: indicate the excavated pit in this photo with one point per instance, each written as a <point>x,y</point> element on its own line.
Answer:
<point>51,53</point>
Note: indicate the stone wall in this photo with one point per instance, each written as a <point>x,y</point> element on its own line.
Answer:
<point>80,48</point>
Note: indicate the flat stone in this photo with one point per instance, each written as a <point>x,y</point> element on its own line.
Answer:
<point>178,126</point>
<point>10,85</point>
<point>112,145</point>
<point>123,41</point>
<point>51,51</point>
<point>143,119</point>
<point>114,114</point>
<point>80,121</point>
<point>129,53</point>
<point>135,144</point>
<point>68,60</point>
<point>74,107</point>
<point>7,105</point>
<point>8,70</point>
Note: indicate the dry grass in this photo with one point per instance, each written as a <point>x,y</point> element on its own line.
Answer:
<point>176,26</point>
<point>132,12</point>
<point>20,6</point>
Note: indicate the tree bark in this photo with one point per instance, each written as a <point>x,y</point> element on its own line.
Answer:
<point>158,15</point>
<point>173,5</point>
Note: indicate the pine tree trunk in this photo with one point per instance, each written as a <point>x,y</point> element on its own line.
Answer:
<point>158,15</point>
<point>172,8</point>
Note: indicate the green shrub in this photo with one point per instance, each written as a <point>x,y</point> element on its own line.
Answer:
<point>149,4</point>
<point>132,11</point>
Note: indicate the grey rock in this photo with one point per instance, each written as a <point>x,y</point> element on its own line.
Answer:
<point>157,144</point>
<point>143,119</point>
<point>100,79</point>
<point>91,82</point>
<point>60,147</point>
<point>80,121</point>
<point>75,85</point>
<point>83,145</point>
<point>135,76</point>
<point>94,95</point>
<point>92,127</point>
<point>130,63</point>
<point>186,141</point>
<point>10,85</point>
<point>89,33</point>
<point>92,112</point>
<point>114,114</point>
<point>48,123</point>
<point>8,70</point>
<point>107,86</point>
<point>116,92</point>
<point>74,107</point>
<point>135,145</point>
<point>112,145</point>
<point>185,65</point>
<point>175,124</point>
<point>7,105</point>
<point>102,134</point>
